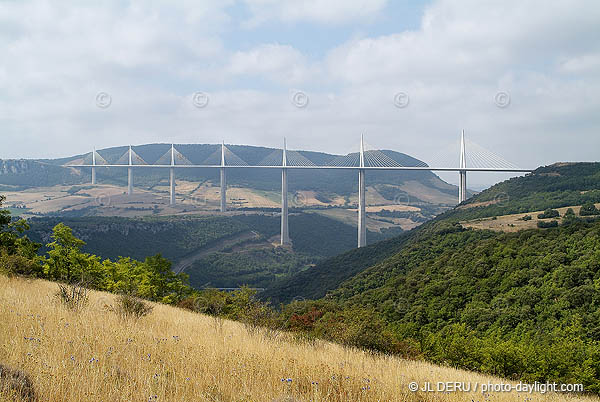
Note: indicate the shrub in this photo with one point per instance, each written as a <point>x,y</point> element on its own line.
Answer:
<point>16,264</point>
<point>588,209</point>
<point>129,306</point>
<point>546,224</point>
<point>73,296</point>
<point>569,217</point>
<point>525,218</point>
<point>549,213</point>
<point>16,383</point>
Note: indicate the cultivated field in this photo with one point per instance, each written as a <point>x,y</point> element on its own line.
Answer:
<point>515,222</point>
<point>176,355</point>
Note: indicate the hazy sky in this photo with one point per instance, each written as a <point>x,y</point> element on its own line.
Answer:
<point>349,59</point>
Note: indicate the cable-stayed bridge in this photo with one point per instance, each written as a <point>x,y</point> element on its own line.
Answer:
<point>471,158</point>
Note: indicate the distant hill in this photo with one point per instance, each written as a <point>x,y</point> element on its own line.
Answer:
<point>49,172</point>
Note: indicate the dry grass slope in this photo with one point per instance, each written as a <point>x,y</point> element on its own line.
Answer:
<point>176,355</point>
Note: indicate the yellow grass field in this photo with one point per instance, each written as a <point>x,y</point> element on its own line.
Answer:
<point>176,355</point>
<point>514,222</point>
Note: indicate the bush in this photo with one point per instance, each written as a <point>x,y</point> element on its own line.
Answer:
<point>546,224</point>
<point>17,384</point>
<point>569,217</point>
<point>549,213</point>
<point>16,264</point>
<point>129,306</point>
<point>525,218</point>
<point>73,296</point>
<point>588,209</point>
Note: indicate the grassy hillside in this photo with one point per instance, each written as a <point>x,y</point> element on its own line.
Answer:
<point>176,355</point>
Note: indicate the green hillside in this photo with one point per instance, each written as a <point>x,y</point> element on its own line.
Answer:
<point>553,186</point>
<point>523,305</point>
<point>328,274</point>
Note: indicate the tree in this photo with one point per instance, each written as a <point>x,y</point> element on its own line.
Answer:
<point>67,263</point>
<point>549,213</point>
<point>589,208</point>
<point>159,283</point>
<point>18,254</point>
<point>569,217</point>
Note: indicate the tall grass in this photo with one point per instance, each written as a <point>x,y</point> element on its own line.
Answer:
<point>176,355</point>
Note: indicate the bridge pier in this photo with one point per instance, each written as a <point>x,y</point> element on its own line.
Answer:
<point>362,215</point>
<point>171,186</point>
<point>223,190</point>
<point>223,180</point>
<point>129,180</point>
<point>130,174</point>
<point>285,233</point>
<point>94,166</point>
<point>462,186</point>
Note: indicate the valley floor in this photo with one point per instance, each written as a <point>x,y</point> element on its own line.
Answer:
<point>176,355</point>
